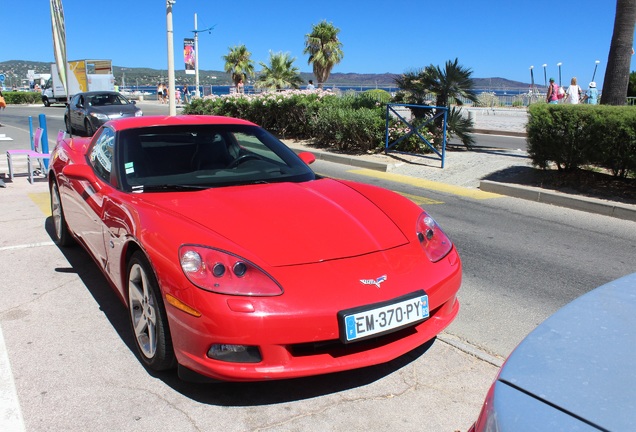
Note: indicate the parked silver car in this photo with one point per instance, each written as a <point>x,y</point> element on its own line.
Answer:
<point>574,372</point>
<point>88,111</point>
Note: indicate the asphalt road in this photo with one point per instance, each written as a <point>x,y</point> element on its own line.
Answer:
<point>69,354</point>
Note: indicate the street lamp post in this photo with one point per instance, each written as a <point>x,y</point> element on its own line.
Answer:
<point>196,54</point>
<point>545,76</point>
<point>532,78</point>
<point>559,65</point>
<point>171,83</point>
<point>595,66</point>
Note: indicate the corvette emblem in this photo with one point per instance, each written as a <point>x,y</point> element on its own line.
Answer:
<point>375,282</point>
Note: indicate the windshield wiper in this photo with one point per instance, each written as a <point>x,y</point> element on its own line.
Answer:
<point>167,188</point>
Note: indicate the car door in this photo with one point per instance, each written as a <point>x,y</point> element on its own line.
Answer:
<point>77,111</point>
<point>90,196</point>
<point>70,112</point>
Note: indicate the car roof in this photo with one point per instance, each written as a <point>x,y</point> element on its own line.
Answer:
<point>180,120</point>
<point>96,92</point>
<point>581,358</point>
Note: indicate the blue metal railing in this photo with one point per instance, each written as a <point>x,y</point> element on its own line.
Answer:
<point>415,130</point>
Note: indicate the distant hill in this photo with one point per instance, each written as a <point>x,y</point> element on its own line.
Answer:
<point>500,84</point>
<point>16,71</point>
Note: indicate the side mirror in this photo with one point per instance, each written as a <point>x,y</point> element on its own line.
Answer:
<point>307,157</point>
<point>79,172</point>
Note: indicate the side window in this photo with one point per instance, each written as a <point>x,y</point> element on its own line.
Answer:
<point>101,155</point>
<point>255,145</point>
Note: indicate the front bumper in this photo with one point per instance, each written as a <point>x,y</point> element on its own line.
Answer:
<point>297,333</point>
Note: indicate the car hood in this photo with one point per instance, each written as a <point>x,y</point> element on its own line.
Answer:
<point>289,223</point>
<point>109,110</point>
<point>581,359</point>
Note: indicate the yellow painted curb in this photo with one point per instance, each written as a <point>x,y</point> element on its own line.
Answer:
<point>420,200</point>
<point>428,184</point>
<point>42,200</point>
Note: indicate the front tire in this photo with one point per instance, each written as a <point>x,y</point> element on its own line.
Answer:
<point>69,127</point>
<point>148,315</point>
<point>62,234</point>
<point>46,102</point>
<point>89,128</point>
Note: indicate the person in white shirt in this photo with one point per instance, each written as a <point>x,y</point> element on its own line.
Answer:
<point>573,95</point>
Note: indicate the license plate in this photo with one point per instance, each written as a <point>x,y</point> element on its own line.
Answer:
<point>363,322</point>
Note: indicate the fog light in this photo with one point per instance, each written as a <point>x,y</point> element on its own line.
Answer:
<point>235,353</point>
<point>218,270</point>
<point>240,269</point>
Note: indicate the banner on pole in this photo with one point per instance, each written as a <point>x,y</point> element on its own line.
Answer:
<point>59,39</point>
<point>189,55</point>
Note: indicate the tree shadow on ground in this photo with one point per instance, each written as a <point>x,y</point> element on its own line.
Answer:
<point>581,182</point>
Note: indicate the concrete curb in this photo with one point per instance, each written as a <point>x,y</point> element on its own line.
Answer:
<point>343,159</point>
<point>468,348</point>
<point>500,132</point>
<point>586,204</point>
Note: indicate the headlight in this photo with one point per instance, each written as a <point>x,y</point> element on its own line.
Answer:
<point>139,113</point>
<point>222,272</point>
<point>487,420</point>
<point>99,116</point>
<point>435,243</point>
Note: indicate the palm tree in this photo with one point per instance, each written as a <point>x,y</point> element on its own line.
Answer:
<point>450,84</point>
<point>631,90</point>
<point>447,85</point>
<point>620,55</point>
<point>324,49</point>
<point>280,73</point>
<point>238,63</point>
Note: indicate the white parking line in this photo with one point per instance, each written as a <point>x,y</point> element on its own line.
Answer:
<point>26,246</point>
<point>10,413</point>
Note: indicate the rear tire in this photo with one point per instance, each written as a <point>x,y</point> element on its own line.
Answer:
<point>62,234</point>
<point>148,316</point>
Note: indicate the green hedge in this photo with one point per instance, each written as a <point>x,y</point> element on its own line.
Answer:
<point>573,136</point>
<point>353,122</point>
<point>16,98</point>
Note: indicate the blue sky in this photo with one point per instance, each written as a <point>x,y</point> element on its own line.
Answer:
<point>495,38</point>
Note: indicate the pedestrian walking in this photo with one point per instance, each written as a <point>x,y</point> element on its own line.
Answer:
<point>186,94</point>
<point>160,93</point>
<point>3,103</point>
<point>553,93</point>
<point>165,93</point>
<point>592,94</point>
<point>574,92</point>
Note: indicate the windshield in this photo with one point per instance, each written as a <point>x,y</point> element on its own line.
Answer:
<point>163,158</point>
<point>107,99</point>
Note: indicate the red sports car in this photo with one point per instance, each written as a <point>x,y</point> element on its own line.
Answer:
<point>237,262</point>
